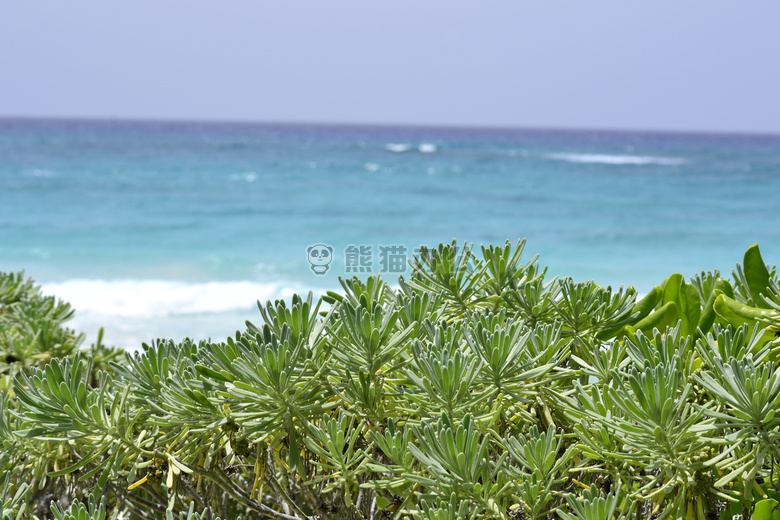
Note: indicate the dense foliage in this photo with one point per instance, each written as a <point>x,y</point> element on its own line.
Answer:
<point>478,388</point>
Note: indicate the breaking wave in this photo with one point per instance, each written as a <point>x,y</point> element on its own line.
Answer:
<point>616,159</point>
<point>160,298</point>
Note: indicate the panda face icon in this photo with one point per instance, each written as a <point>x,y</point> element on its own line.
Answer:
<point>319,256</point>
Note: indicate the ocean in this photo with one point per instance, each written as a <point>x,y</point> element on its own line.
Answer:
<point>174,229</point>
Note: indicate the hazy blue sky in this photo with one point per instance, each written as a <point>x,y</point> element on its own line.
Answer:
<point>709,65</point>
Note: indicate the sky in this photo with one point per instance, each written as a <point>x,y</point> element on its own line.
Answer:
<point>693,65</point>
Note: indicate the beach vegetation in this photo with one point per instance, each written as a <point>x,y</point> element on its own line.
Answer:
<point>479,387</point>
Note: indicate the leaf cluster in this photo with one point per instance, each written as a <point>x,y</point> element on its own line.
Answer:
<point>477,388</point>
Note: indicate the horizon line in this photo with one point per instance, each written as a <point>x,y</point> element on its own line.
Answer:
<point>385,125</point>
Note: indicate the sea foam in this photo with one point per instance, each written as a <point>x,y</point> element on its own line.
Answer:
<point>398,147</point>
<point>616,159</point>
<point>39,173</point>
<point>403,147</point>
<point>160,298</point>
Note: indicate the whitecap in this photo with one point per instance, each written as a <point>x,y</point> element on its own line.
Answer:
<point>398,147</point>
<point>426,148</point>
<point>159,298</point>
<point>248,177</point>
<point>589,158</point>
<point>38,173</point>
<point>372,167</point>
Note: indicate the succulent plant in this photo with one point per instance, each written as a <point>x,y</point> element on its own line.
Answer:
<point>478,388</point>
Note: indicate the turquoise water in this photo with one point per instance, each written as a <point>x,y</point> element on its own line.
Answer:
<point>173,229</point>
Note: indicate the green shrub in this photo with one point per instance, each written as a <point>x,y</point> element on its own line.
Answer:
<point>480,388</point>
<point>31,330</point>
